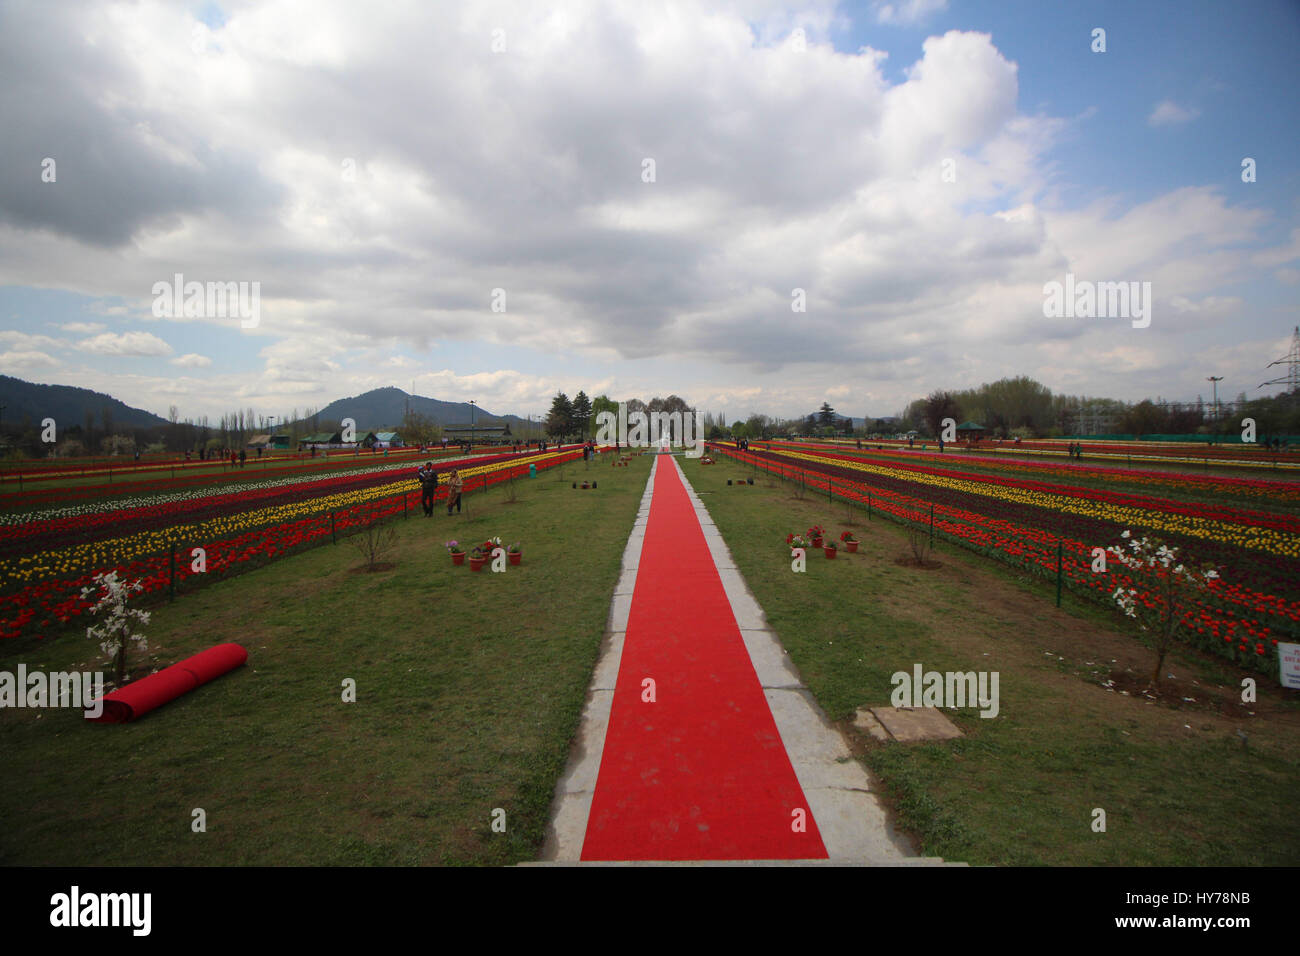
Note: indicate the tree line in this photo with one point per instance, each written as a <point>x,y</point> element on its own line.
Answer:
<point>1022,407</point>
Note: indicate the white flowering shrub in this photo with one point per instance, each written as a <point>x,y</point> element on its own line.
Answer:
<point>1170,583</point>
<point>115,630</point>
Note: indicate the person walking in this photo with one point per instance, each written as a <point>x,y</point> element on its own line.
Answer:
<point>243,457</point>
<point>454,486</point>
<point>428,478</point>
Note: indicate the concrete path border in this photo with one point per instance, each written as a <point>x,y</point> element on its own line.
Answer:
<point>573,793</point>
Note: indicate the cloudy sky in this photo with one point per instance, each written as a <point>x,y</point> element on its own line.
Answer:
<point>639,188</point>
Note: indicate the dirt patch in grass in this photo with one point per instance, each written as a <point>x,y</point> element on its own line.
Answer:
<point>1181,693</point>
<point>379,566</point>
<point>910,562</point>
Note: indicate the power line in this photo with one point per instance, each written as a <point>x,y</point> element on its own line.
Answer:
<point>1292,359</point>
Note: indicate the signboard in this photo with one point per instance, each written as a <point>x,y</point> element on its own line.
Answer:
<point>1288,656</point>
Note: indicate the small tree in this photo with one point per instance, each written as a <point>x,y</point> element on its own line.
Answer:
<point>114,631</point>
<point>375,540</point>
<point>918,538</point>
<point>1158,612</point>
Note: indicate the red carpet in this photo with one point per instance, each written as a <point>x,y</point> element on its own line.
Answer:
<point>153,691</point>
<point>701,774</point>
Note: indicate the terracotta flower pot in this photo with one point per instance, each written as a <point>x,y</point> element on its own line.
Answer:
<point>852,546</point>
<point>817,542</point>
<point>515,556</point>
<point>476,564</point>
<point>830,552</point>
<point>458,557</point>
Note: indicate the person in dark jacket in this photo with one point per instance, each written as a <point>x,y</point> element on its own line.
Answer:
<point>428,478</point>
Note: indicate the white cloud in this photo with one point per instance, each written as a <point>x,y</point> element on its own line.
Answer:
<point>18,363</point>
<point>192,360</point>
<point>908,12</point>
<point>83,328</point>
<point>1169,113</point>
<point>25,341</point>
<point>125,343</point>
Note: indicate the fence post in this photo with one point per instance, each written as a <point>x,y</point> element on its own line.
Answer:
<point>1059,552</point>
<point>172,587</point>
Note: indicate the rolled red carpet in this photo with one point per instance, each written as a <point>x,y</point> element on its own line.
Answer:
<point>144,695</point>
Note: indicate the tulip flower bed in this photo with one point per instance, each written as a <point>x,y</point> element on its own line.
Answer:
<point>42,584</point>
<point>1241,617</point>
<point>1191,452</point>
<point>147,510</point>
<point>1268,532</point>
<point>1191,485</point>
<point>202,481</point>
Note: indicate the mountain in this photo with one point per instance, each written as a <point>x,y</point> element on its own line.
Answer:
<point>386,407</point>
<point>67,405</point>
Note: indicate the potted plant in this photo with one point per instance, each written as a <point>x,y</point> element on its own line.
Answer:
<point>479,555</point>
<point>515,552</point>
<point>796,541</point>
<point>815,534</point>
<point>850,542</point>
<point>456,551</point>
<point>829,547</point>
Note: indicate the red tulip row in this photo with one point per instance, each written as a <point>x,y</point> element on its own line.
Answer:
<point>1257,519</point>
<point>1146,449</point>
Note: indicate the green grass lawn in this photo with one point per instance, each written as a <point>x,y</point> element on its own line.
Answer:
<point>469,690</point>
<point>1178,785</point>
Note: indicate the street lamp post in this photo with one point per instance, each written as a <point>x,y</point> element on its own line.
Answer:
<point>471,424</point>
<point>1216,379</point>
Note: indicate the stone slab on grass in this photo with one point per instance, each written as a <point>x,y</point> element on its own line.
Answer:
<point>865,720</point>
<point>912,724</point>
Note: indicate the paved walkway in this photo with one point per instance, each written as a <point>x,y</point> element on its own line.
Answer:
<point>732,760</point>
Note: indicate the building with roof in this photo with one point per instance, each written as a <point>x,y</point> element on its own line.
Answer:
<point>321,440</point>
